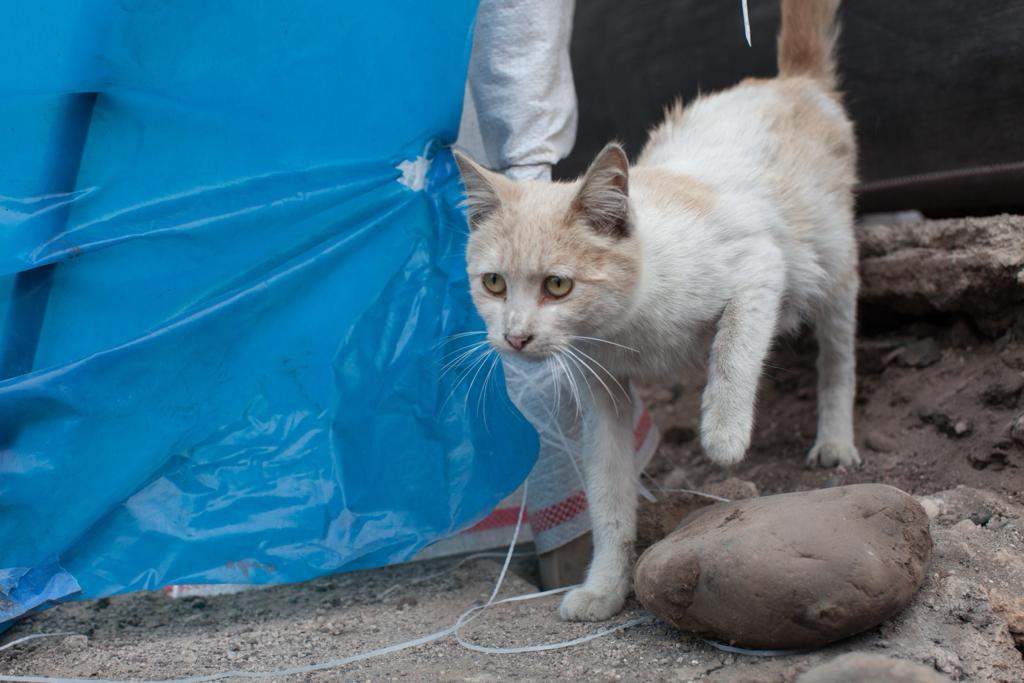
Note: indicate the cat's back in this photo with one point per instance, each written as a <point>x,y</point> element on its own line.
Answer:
<point>776,159</point>
<point>758,128</point>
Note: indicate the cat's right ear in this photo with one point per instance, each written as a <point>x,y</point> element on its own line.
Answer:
<point>481,185</point>
<point>603,199</point>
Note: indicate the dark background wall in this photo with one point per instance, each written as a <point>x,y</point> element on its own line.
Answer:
<point>932,85</point>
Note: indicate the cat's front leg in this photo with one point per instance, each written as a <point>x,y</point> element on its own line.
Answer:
<point>611,496</point>
<point>738,352</point>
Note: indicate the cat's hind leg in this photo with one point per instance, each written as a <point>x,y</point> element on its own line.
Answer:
<point>610,474</point>
<point>835,322</point>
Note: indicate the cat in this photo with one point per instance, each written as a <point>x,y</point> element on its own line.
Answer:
<point>734,225</point>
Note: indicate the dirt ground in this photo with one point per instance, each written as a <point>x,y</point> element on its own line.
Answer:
<point>934,410</point>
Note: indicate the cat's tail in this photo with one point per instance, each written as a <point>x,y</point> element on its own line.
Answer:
<point>808,38</point>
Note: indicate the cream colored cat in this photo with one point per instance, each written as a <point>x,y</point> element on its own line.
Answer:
<point>733,226</point>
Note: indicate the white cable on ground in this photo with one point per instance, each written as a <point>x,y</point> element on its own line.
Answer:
<point>34,636</point>
<point>464,619</point>
<point>454,630</point>
<point>437,575</point>
<point>752,653</point>
<point>700,494</point>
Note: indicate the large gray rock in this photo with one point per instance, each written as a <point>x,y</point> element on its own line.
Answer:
<point>795,570</point>
<point>860,667</point>
<point>971,265</point>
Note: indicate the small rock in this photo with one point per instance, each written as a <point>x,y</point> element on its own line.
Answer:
<point>920,354</point>
<point>980,517</point>
<point>678,478</point>
<point>1016,429</point>
<point>1004,393</point>
<point>999,522</point>
<point>965,526</point>
<point>733,489</point>
<point>880,442</point>
<point>1012,610</point>
<point>932,506</point>
<point>76,642</point>
<point>992,459</point>
<point>795,570</point>
<point>873,356</point>
<point>947,662</point>
<point>955,428</point>
<point>857,667</point>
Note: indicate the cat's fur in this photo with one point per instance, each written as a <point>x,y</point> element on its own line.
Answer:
<point>734,226</point>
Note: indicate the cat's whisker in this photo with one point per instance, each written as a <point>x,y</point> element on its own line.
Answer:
<point>479,368</point>
<point>606,370</point>
<point>482,400</point>
<point>472,374</point>
<point>567,364</point>
<point>462,378</point>
<point>465,354</point>
<point>452,337</point>
<point>548,365</point>
<point>558,385</point>
<point>573,352</point>
<point>573,388</point>
<point>468,345</point>
<point>470,333</point>
<point>581,364</point>
<point>605,341</point>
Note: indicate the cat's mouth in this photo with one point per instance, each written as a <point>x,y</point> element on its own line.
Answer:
<point>533,353</point>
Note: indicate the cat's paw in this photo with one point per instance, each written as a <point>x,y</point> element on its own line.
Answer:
<point>581,604</point>
<point>725,445</point>
<point>833,454</point>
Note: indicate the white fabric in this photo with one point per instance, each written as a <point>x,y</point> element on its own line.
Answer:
<point>520,107</point>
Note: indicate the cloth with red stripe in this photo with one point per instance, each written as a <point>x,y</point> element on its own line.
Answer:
<point>557,501</point>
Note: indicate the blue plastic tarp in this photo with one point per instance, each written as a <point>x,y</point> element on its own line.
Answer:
<point>225,308</point>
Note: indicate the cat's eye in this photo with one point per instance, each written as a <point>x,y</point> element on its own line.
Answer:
<point>557,286</point>
<point>494,283</point>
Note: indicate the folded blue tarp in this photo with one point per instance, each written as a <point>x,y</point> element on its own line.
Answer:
<point>230,259</point>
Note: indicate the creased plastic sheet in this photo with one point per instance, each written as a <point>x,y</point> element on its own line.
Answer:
<point>230,266</point>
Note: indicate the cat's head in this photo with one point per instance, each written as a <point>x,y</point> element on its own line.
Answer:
<point>551,261</point>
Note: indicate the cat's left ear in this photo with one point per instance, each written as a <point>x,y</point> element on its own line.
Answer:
<point>603,200</point>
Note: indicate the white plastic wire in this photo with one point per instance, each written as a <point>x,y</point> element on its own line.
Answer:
<point>746,22</point>
<point>699,494</point>
<point>751,653</point>
<point>453,630</point>
<point>437,575</point>
<point>33,636</point>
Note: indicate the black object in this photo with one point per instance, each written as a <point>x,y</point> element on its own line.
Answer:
<point>936,88</point>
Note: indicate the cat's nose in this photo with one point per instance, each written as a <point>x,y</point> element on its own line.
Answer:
<point>518,341</point>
